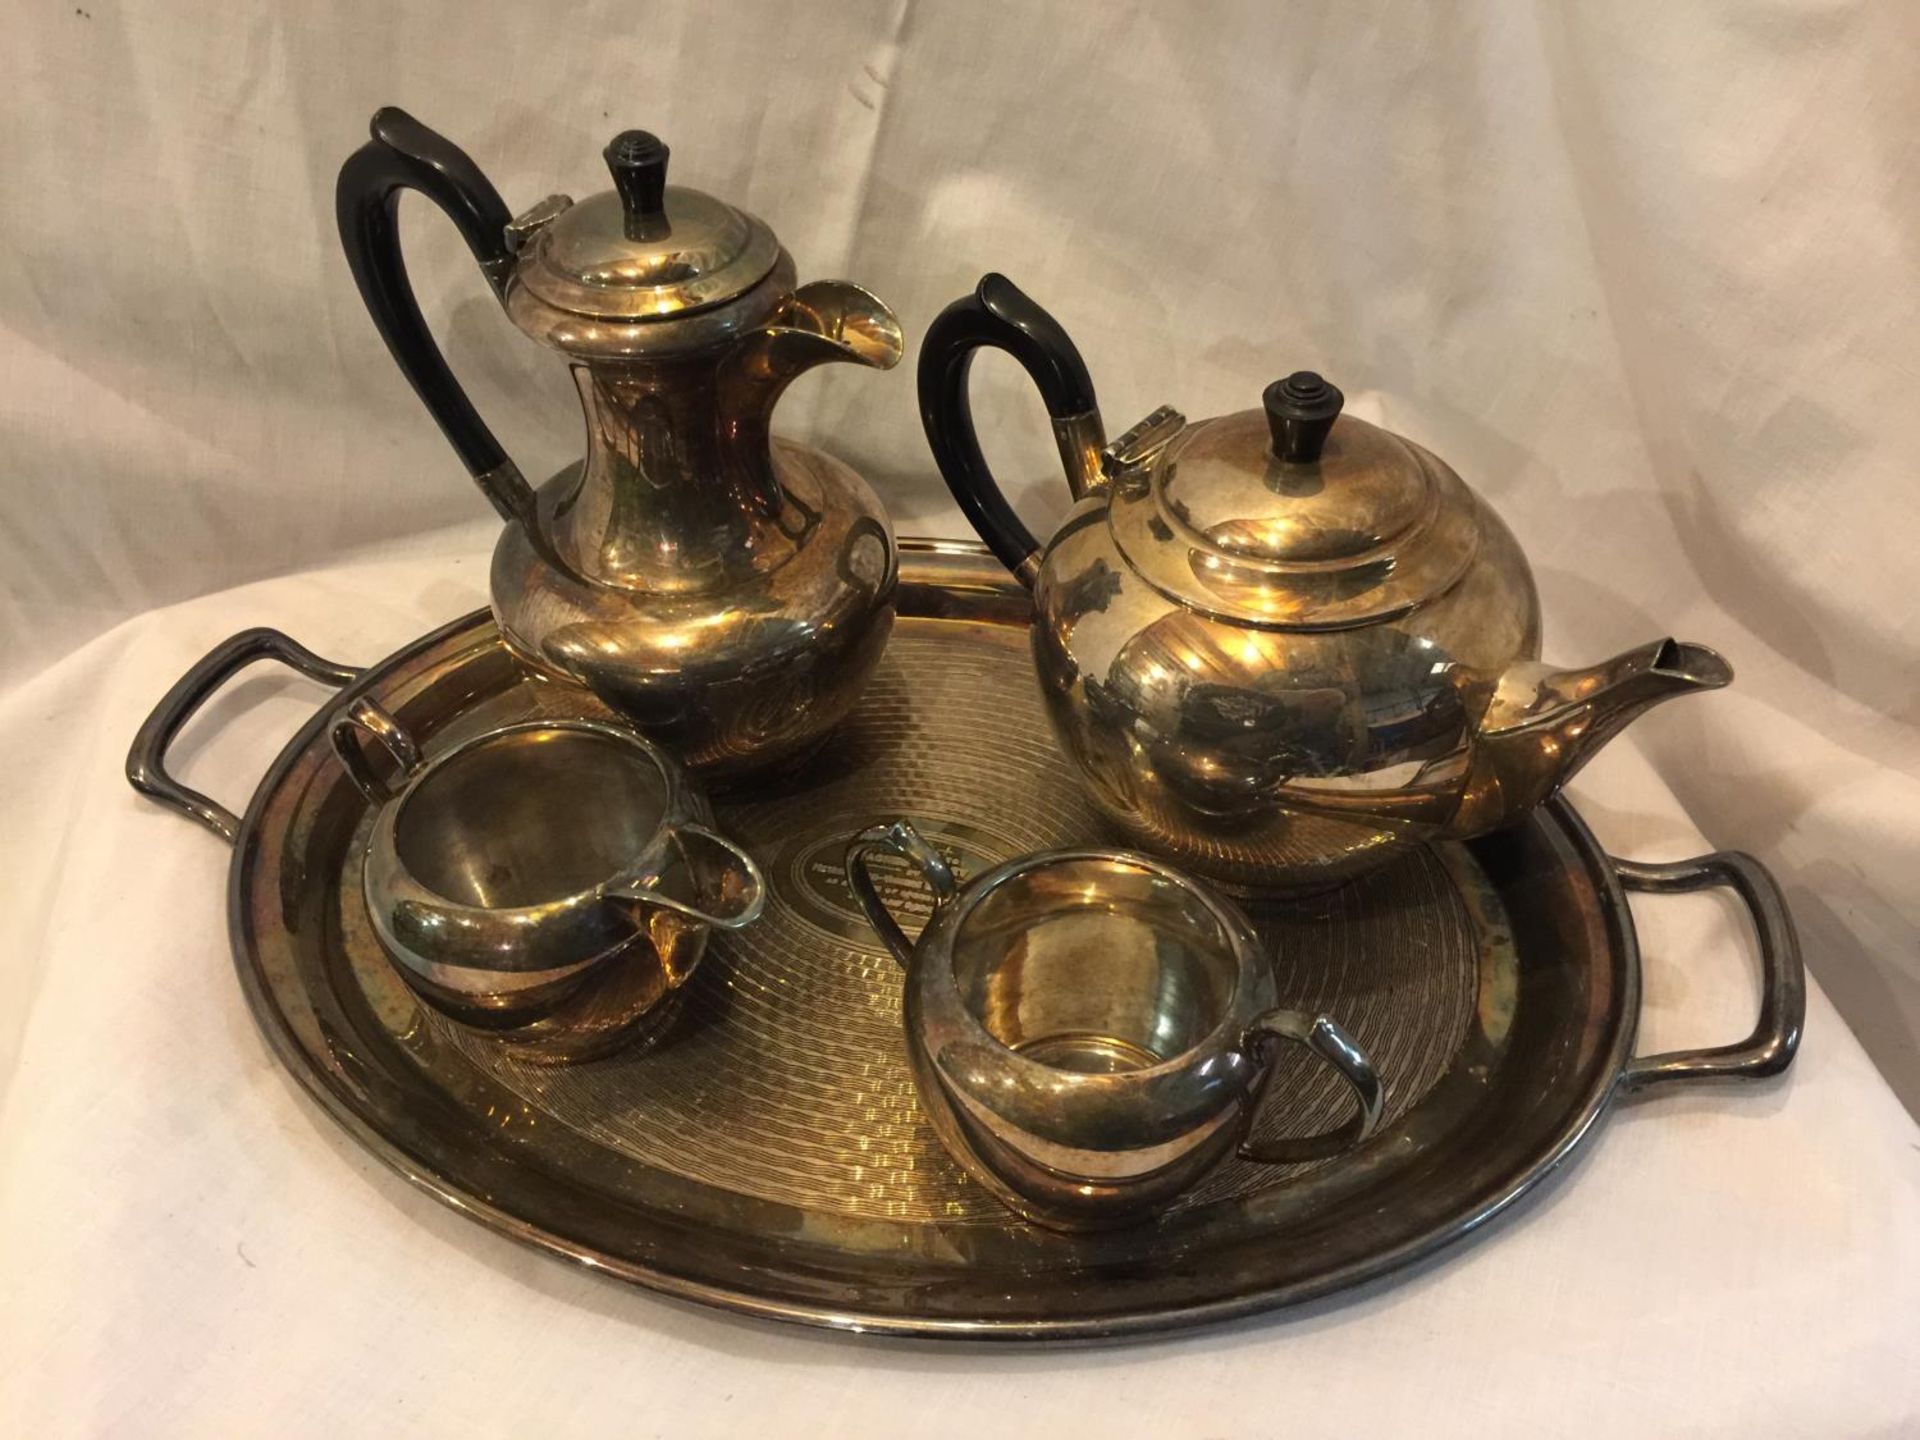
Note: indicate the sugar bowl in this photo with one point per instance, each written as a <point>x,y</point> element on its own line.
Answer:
<point>552,881</point>
<point>1091,1030</point>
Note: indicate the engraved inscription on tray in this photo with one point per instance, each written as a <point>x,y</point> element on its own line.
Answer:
<point>785,1077</point>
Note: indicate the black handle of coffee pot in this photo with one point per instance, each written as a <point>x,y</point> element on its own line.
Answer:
<point>405,155</point>
<point>997,314</point>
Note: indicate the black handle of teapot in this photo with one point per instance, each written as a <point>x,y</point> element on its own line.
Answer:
<point>999,315</point>
<point>405,155</point>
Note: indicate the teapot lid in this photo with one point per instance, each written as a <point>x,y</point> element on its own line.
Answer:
<point>1295,515</point>
<point>644,250</point>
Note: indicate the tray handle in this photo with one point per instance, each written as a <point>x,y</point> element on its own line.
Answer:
<point>147,759</point>
<point>1783,975</point>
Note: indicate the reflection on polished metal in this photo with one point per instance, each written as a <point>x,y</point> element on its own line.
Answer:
<point>551,882</point>
<point>1091,1032</point>
<point>727,592</point>
<point>1283,645</point>
<point>774,1159</point>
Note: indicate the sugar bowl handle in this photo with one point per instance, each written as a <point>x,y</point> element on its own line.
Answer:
<point>903,840</point>
<point>366,717</point>
<point>997,314</point>
<point>405,155</point>
<point>1333,1045</point>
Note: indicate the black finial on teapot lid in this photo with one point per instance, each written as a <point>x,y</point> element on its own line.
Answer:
<point>638,160</point>
<point>1301,410</point>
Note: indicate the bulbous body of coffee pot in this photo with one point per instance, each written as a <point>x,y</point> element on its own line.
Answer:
<point>1281,645</point>
<point>727,592</point>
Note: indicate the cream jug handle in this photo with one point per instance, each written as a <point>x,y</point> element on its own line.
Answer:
<point>365,716</point>
<point>405,155</point>
<point>997,314</point>
<point>899,838</point>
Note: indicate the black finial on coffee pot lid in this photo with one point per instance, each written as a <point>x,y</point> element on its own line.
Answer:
<point>638,160</point>
<point>1301,410</point>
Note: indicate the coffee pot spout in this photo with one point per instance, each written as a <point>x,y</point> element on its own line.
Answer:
<point>821,322</point>
<point>834,320</point>
<point>1544,724</point>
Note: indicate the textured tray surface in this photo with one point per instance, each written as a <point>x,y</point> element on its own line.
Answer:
<point>785,1078</point>
<point>769,1155</point>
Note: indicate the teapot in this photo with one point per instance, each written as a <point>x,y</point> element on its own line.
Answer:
<point>727,592</point>
<point>1283,645</point>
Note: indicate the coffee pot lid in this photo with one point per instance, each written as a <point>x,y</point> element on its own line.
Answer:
<point>1297,515</point>
<point>643,250</point>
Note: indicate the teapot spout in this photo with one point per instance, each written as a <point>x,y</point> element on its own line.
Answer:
<point>827,320</point>
<point>1544,724</point>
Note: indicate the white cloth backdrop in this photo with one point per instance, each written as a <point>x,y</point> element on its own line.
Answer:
<point>1644,272</point>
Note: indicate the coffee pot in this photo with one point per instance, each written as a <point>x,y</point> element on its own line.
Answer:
<point>727,592</point>
<point>1280,645</point>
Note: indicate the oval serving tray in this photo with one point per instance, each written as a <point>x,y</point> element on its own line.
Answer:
<point>769,1156</point>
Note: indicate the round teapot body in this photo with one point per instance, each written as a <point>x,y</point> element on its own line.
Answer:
<point>1282,644</point>
<point>1270,757</point>
<point>738,659</point>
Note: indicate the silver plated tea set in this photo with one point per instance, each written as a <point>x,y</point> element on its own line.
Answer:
<point>1288,655</point>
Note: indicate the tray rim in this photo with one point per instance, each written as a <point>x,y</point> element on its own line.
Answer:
<point>935,566</point>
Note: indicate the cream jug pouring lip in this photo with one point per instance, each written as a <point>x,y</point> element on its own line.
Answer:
<point>739,899</point>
